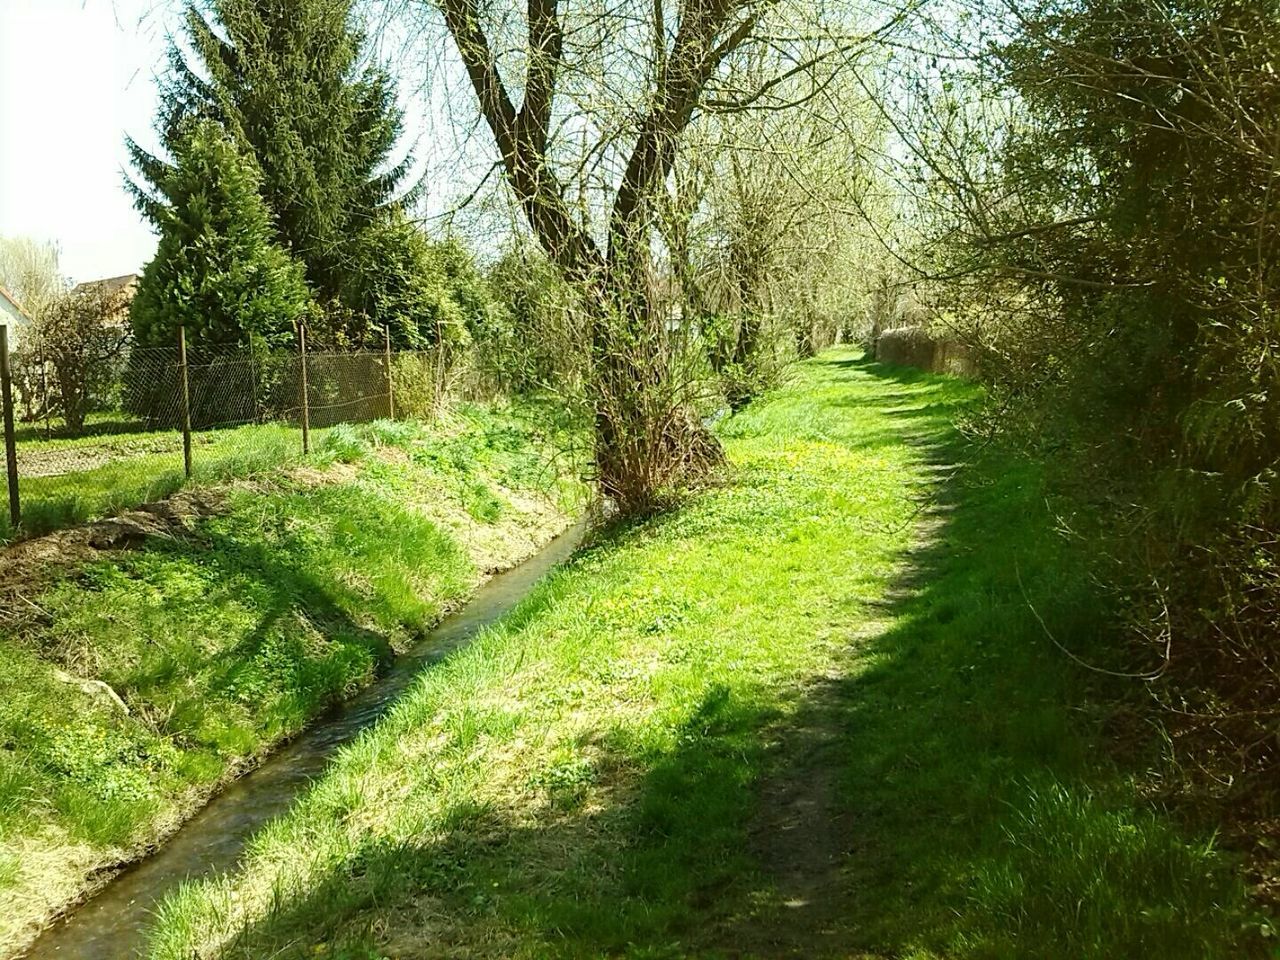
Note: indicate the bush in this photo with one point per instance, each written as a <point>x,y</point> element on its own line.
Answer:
<point>401,283</point>
<point>535,336</point>
<point>1138,340</point>
<point>77,355</point>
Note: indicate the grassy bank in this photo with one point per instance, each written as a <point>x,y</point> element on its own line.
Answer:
<point>229,628</point>
<point>812,713</point>
<point>73,480</point>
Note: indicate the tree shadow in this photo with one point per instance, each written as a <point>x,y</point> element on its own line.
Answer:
<point>946,792</point>
<point>275,575</point>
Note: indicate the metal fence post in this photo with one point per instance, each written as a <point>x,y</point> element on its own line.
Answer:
<point>10,441</point>
<point>391,384</point>
<point>437,399</point>
<point>186,401</point>
<point>306,403</point>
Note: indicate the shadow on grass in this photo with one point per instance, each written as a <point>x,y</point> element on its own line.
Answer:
<point>948,794</point>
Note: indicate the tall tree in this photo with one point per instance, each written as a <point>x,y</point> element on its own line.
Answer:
<point>654,64</point>
<point>589,106</point>
<point>291,84</point>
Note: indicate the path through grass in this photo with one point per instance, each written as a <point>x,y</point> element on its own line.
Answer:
<point>601,774</point>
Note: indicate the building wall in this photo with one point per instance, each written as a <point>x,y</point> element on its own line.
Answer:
<point>16,322</point>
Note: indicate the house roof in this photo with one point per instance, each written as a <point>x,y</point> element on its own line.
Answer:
<point>108,287</point>
<point>13,301</point>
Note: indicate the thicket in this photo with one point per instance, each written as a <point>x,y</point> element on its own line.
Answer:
<point>1099,183</point>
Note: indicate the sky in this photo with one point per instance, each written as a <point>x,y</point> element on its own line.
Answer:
<point>75,77</point>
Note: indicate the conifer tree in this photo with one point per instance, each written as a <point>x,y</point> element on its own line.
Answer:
<point>290,83</point>
<point>217,269</point>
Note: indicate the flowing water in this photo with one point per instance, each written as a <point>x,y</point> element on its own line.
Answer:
<point>111,924</point>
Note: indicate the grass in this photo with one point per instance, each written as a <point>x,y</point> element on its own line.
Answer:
<point>591,777</point>
<point>98,425</point>
<point>144,467</point>
<point>229,636</point>
<point>148,466</point>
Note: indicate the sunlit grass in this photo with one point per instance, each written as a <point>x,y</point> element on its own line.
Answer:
<point>228,637</point>
<point>581,781</point>
<point>54,502</point>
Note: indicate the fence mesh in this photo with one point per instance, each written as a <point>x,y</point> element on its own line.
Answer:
<point>88,446</point>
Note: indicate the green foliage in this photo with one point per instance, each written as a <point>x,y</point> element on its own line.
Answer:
<point>1122,884</point>
<point>291,84</point>
<point>131,478</point>
<point>536,338</point>
<point>747,354</point>
<point>1143,159</point>
<point>344,444</point>
<point>414,287</point>
<point>76,348</point>
<point>231,640</point>
<point>217,269</point>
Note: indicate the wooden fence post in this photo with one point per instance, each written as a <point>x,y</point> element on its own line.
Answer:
<point>306,401</point>
<point>10,441</point>
<point>186,401</point>
<point>391,384</point>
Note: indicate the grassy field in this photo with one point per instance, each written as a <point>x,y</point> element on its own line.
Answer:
<point>226,634</point>
<point>71,480</point>
<point>812,713</point>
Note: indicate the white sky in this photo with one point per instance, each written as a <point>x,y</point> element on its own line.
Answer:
<point>75,77</point>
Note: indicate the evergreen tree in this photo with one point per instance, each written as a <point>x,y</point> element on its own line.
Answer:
<point>217,268</point>
<point>289,82</point>
<point>404,281</point>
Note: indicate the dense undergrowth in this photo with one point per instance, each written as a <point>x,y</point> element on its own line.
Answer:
<point>235,630</point>
<point>588,778</point>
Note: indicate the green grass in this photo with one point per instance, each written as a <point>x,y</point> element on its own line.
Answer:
<point>587,779</point>
<point>99,425</point>
<point>149,468</point>
<point>228,637</point>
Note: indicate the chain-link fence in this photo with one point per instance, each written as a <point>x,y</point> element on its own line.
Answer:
<point>89,439</point>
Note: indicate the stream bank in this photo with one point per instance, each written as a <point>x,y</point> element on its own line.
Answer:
<point>111,924</point>
<point>224,622</point>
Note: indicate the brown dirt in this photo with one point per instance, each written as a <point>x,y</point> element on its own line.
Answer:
<point>28,566</point>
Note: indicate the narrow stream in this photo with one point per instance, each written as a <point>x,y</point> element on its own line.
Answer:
<point>111,924</point>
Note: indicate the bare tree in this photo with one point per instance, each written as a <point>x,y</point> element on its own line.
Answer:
<point>606,94</point>
<point>640,448</point>
<point>80,342</point>
<point>774,199</point>
<point>29,269</point>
